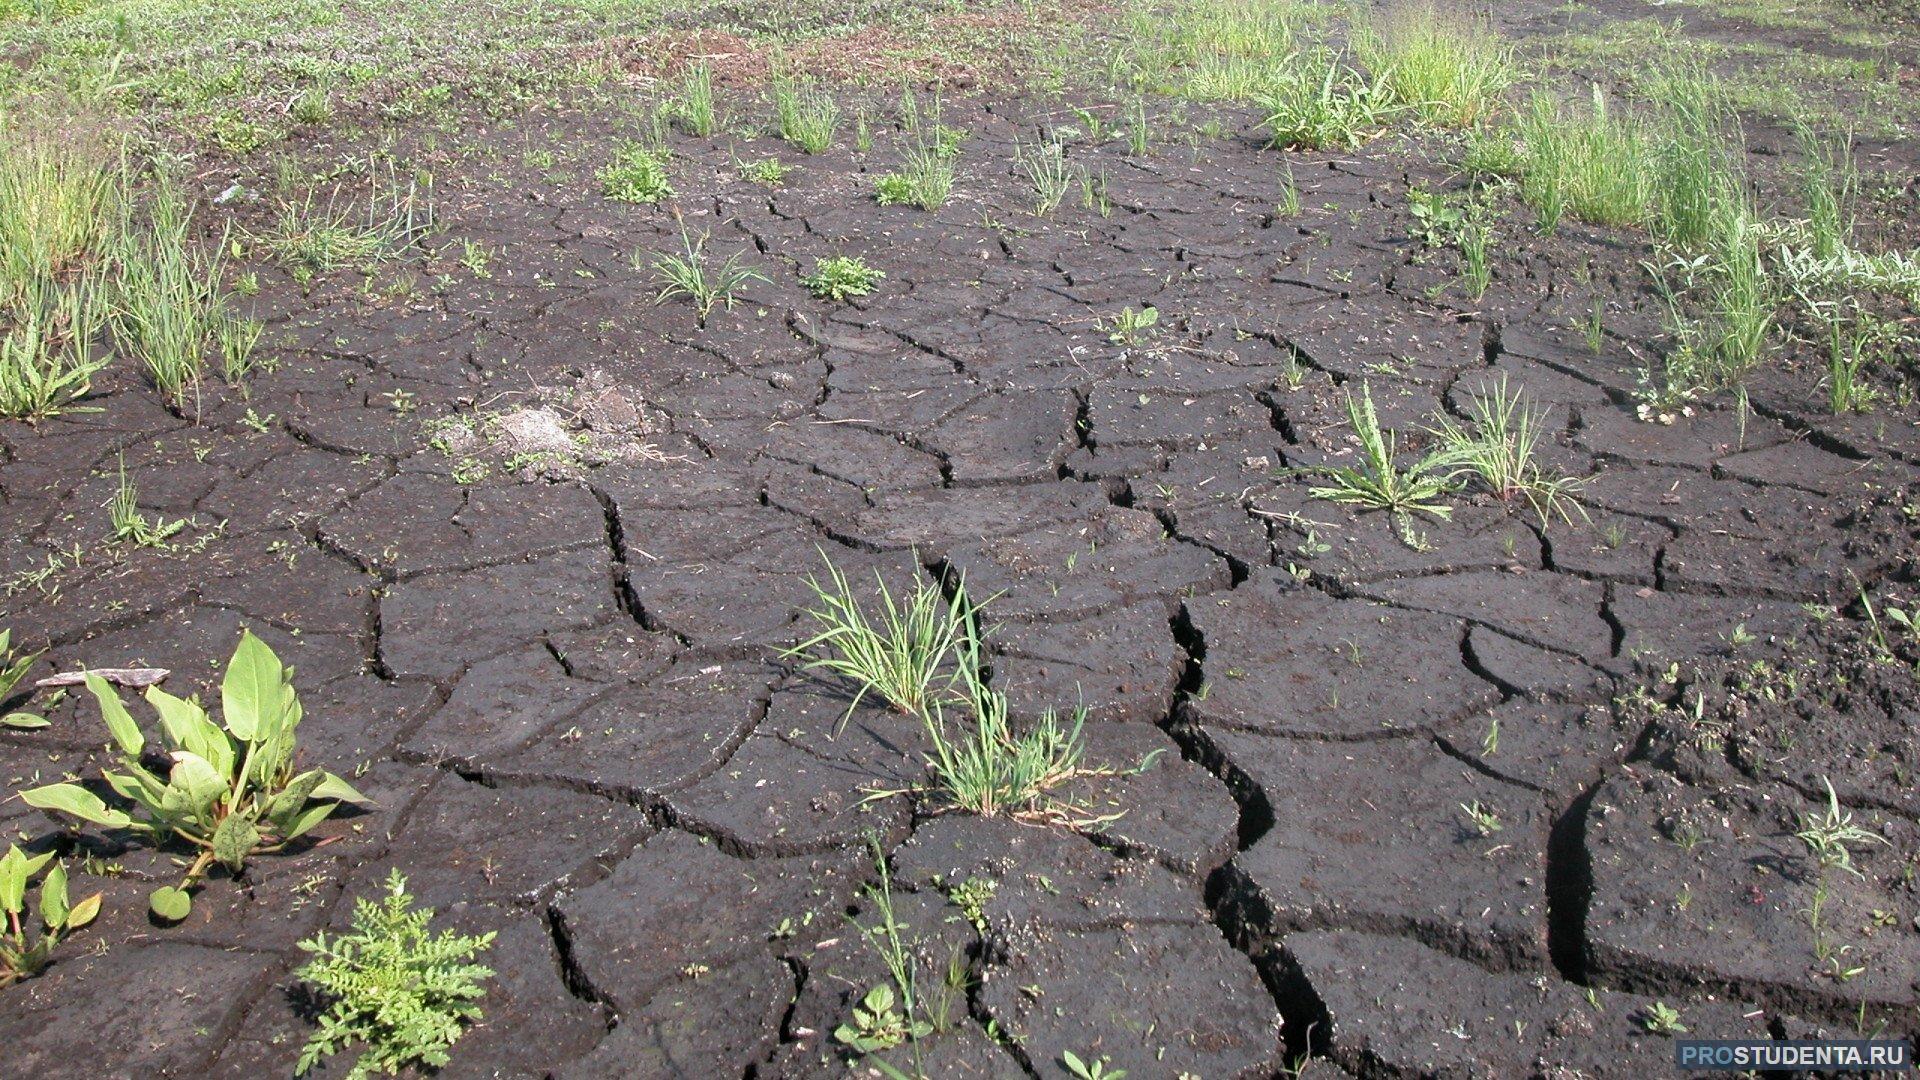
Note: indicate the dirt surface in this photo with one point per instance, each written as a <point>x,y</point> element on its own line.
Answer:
<point>548,643</point>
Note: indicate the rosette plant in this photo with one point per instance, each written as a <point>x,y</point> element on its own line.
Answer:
<point>228,790</point>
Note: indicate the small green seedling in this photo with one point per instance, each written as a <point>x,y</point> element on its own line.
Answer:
<point>841,276</point>
<point>1662,1019</point>
<point>402,992</point>
<point>1129,325</point>
<point>23,955</point>
<point>1828,836</point>
<point>1097,1069</point>
<point>12,670</point>
<point>1485,820</point>
<point>231,793</point>
<point>878,1024</point>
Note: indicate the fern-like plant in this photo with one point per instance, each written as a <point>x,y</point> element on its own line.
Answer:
<point>402,992</point>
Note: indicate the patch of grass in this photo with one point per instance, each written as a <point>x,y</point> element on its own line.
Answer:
<point>637,174</point>
<point>170,302</point>
<point>1319,103</point>
<point>1378,482</point>
<point>693,108</point>
<point>1595,163</point>
<point>692,274</point>
<point>1498,447</point>
<point>902,655</point>
<point>47,357</point>
<point>59,194</point>
<point>807,115</point>
<point>310,238</point>
<point>925,178</point>
<point>1044,164</point>
<point>392,987</point>
<point>839,277</point>
<point>987,767</point>
<point>1450,68</point>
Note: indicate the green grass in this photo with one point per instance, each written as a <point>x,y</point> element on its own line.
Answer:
<point>1449,68</point>
<point>693,274</point>
<point>48,356</point>
<point>1316,102</point>
<point>806,114</point>
<point>1044,164</point>
<point>1498,448</point>
<point>1594,163</point>
<point>693,107</point>
<point>170,302</point>
<point>901,654</point>
<point>925,178</point>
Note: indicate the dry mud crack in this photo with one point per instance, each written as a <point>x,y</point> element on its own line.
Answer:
<point>565,684</point>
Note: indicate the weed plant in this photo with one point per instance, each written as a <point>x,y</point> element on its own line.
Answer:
<point>1498,448</point>
<point>1318,103</point>
<point>23,953</point>
<point>1378,482</point>
<point>1449,68</point>
<point>637,174</point>
<point>692,273</point>
<point>806,114</point>
<point>401,993</point>
<point>230,792</point>
<point>840,277</point>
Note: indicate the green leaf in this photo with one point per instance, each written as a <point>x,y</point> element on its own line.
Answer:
<point>188,728</point>
<point>114,712</point>
<point>13,881</point>
<point>169,903</point>
<point>53,897</point>
<point>23,721</point>
<point>196,780</point>
<point>308,818</point>
<point>285,806</point>
<point>84,912</point>
<point>11,677</point>
<point>254,691</point>
<point>76,800</point>
<point>332,787</point>
<point>234,840</point>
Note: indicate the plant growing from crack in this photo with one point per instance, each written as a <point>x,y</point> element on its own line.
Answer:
<point>1499,448</point>
<point>23,954</point>
<point>925,656</point>
<point>229,791</point>
<point>690,273</point>
<point>902,656</point>
<point>1378,482</point>
<point>397,989</point>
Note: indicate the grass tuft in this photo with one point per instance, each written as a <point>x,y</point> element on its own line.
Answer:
<point>1450,68</point>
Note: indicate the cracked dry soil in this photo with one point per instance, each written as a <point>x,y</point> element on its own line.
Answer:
<point>567,693</point>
